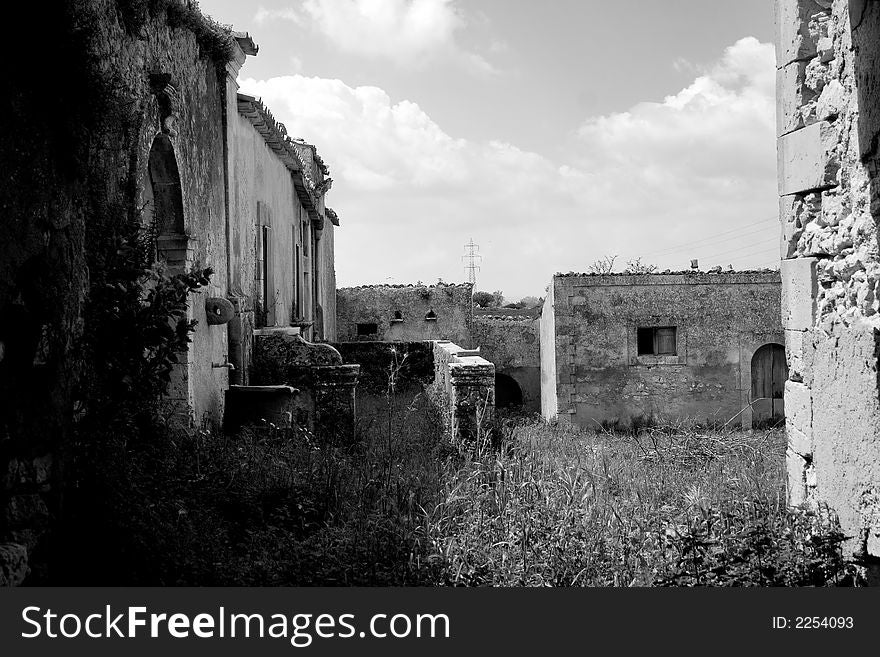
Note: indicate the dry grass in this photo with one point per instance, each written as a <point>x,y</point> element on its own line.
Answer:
<point>668,506</point>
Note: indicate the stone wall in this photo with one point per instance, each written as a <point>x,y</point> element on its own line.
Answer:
<point>829,130</point>
<point>75,153</point>
<point>276,216</point>
<point>134,126</point>
<point>590,336</point>
<point>405,313</point>
<point>464,389</point>
<point>513,344</point>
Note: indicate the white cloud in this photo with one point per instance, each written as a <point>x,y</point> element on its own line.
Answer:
<point>410,33</point>
<point>638,181</point>
<point>264,15</point>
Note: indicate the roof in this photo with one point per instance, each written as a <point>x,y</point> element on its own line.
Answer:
<point>688,277</point>
<point>300,158</point>
<point>405,285</point>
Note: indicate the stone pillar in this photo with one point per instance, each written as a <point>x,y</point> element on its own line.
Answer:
<point>464,384</point>
<point>828,124</point>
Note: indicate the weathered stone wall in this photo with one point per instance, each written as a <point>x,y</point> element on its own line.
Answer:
<point>269,186</point>
<point>394,377</point>
<point>450,304</point>
<point>513,344</point>
<point>829,129</point>
<point>721,320</point>
<point>325,386</point>
<point>464,389</point>
<point>76,127</point>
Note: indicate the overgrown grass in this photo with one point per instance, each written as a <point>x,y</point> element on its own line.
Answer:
<point>553,506</point>
<point>664,506</point>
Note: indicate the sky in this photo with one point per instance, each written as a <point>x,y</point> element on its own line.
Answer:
<point>552,134</point>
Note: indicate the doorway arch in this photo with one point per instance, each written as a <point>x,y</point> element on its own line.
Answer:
<point>508,393</point>
<point>165,189</point>
<point>769,374</point>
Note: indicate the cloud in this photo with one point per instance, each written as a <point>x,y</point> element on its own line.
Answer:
<point>264,15</point>
<point>700,161</point>
<point>410,33</point>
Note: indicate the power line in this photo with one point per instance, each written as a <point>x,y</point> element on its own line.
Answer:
<point>706,241</point>
<point>736,250</point>
<point>471,257</point>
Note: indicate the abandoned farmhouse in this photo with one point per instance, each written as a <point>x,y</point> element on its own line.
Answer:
<point>624,348</point>
<point>156,132</point>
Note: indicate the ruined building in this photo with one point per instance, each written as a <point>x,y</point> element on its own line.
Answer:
<point>828,122</point>
<point>624,348</point>
<point>510,339</point>
<point>151,129</point>
<point>405,313</point>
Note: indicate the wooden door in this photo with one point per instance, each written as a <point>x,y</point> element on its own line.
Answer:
<point>769,373</point>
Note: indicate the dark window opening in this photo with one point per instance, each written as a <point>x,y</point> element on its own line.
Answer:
<point>367,329</point>
<point>656,341</point>
<point>398,316</point>
<point>431,316</point>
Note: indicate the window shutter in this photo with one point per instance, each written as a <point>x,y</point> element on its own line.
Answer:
<point>665,341</point>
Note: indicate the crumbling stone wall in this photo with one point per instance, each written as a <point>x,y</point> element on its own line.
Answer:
<point>828,113</point>
<point>513,344</point>
<point>592,372</point>
<point>76,127</point>
<point>464,389</point>
<point>406,313</point>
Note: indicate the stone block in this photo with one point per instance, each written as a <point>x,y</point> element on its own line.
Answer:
<point>796,467</point>
<point>798,355</point>
<point>791,95</point>
<point>807,159</point>
<point>799,292</point>
<point>13,564</point>
<point>26,511</point>
<point>793,39</point>
<point>796,212</point>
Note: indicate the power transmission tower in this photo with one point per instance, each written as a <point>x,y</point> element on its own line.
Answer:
<point>471,257</point>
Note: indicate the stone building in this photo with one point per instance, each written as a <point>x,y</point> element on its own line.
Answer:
<point>828,122</point>
<point>405,313</point>
<point>510,339</point>
<point>142,122</point>
<point>703,347</point>
<point>252,209</point>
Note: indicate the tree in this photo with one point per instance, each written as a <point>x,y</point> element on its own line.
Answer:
<point>530,302</point>
<point>484,299</point>
<point>638,267</point>
<point>498,298</point>
<point>604,265</point>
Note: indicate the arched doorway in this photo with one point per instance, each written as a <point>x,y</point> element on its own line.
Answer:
<point>508,394</point>
<point>769,373</point>
<point>163,230</point>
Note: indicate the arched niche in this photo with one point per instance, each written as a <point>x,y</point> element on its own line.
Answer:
<point>165,189</point>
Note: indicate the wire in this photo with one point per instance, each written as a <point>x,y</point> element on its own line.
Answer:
<point>711,238</point>
<point>736,250</point>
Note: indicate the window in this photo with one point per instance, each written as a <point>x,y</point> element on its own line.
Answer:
<point>367,329</point>
<point>398,316</point>
<point>431,316</point>
<point>656,341</point>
